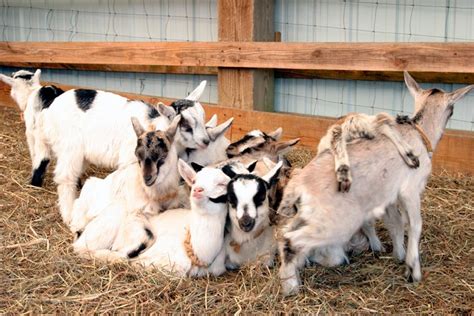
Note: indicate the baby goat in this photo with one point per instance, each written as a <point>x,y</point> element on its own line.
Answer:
<point>32,98</point>
<point>147,186</point>
<point>326,219</point>
<point>355,126</point>
<point>250,236</point>
<point>216,150</point>
<point>191,242</point>
<point>89,126</point>
<point>257,145</point>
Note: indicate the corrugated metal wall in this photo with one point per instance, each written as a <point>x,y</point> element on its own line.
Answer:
<point>369,21</point>
<point>115,20</point>
<point>302,20</point>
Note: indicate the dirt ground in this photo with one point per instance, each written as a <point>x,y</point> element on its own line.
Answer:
<point>39,273</point>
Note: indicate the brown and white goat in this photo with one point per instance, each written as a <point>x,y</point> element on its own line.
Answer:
<point>328,218</point>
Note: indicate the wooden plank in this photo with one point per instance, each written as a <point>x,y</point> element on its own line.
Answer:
<point>440,58</point>
<point>431,77</point>
<point>246,21</point>
<point>282,73</point>
<point>454,153</point>
<point>189,70</point>
<point>430,62</point>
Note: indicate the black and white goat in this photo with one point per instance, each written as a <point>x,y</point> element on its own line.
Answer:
<point>250,236</point>
<point>32,98</point>
<point>93,127</point>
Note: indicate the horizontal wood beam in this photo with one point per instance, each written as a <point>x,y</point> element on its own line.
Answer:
<point>434,62</point>
<point>454,153</point>
<point>179,70</point>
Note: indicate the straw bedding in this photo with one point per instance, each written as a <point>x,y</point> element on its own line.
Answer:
<point>39,273</point>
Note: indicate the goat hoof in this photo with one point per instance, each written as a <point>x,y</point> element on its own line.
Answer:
<point>343,178</point>
<point>411,276</point>
<point>408,275</point>
<point>290,287</point>
<point>36,182</point>
<point>412,160</point>
<point>344,186</point>
<point>77,234</point>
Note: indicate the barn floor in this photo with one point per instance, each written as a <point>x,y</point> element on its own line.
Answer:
<point>39,272</point>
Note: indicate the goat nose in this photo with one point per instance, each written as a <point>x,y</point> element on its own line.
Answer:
<point>147,178</point>
<point>246,223</point>
<point>206,142</point>
<point>198,190</point>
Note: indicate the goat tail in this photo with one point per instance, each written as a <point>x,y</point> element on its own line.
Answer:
<point>289,204</point>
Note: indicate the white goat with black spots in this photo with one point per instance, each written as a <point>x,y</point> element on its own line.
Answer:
<point>93,127</point>
<point>328,218</point>
<point>32,98</point>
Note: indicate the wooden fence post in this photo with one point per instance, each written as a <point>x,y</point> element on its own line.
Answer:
<point>246,21</point>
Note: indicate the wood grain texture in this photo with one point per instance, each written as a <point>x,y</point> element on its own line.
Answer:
<point>416,57</point>
<point>429,62</point>
<point>246,21</point>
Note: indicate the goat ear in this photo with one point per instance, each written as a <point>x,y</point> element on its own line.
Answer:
<point>276,134</point>
<point>457,95</point>
<point>251,166</point>
<point>412,85</point>
<point>166,111</point>
<point>212,122</point>
<point>137,127</point>
<point>197,167</point>
<point>171,130</point>
<point>186,172</point>
<point>281,148</point>
<point>36,76</point>
<point>196,93</point>
<point>227,169</point>
<point>8,80</point>
<point>268,163</point>
<point>272,176</point>
<point>220,130</point>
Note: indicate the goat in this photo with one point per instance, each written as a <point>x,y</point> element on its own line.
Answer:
<point>88,126</point>
<point>256,145</point>
<point>327,218</point>
<point>216,150</point>
<point>250,235</point>
<point>358,125</point>
<point>31,98</point>
<point>147,186</point>
<point>191,242</point>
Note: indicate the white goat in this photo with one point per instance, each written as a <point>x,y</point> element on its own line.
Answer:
<point>89,126</point>
<point>216,150</point>
<point>146,186</point>
<point>191,242</point>
<point>250,236</point>
<point>31,98</point>
<point>327,218</point>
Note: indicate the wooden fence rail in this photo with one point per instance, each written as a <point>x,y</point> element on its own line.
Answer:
<point>429,62</point>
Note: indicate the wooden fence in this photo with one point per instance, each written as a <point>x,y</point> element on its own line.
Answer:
<point>247,59</point>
